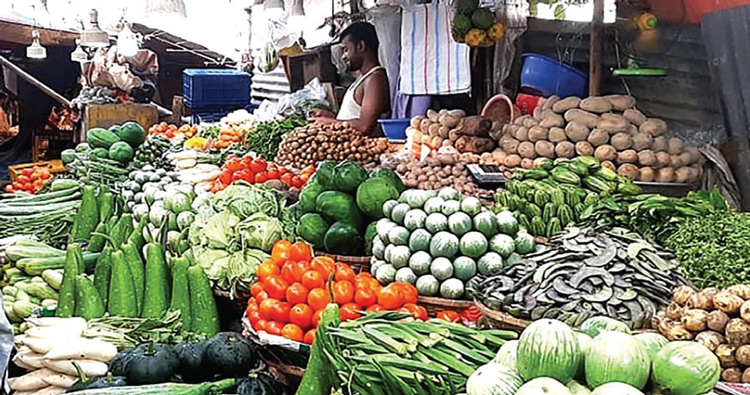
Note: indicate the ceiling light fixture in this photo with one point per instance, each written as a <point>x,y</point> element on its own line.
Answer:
<point>79,55</point>
<point>94,36</point>
<point>36,50</point>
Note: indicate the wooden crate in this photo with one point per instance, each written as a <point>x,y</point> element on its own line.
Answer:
<point>55,166</point>
<point>106,115</point>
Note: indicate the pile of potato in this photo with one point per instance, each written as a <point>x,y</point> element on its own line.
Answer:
<point>314,143</point>
<point>720,320</point>
<point>609,128</point>
<point>453,129</point>
<point>436,171</point>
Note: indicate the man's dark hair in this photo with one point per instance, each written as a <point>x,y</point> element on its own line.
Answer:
<point>362,31</point>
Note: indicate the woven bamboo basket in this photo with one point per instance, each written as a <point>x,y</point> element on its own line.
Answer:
<point>358,263</point>
<point>436,305</point>
<point>499,320</point>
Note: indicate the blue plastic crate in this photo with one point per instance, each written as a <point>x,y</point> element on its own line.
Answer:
<point>205,89</point>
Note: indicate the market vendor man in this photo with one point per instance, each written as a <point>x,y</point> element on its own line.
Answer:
<point>369,97</point>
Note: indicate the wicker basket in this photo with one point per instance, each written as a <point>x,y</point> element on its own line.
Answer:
<point>499,320</point>
<point>358,263</point>
<point>436,305</point>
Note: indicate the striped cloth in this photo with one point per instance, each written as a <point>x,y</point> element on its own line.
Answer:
<point>431,62</point>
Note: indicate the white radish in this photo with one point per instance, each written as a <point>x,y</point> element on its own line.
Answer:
<point>29,358</point>
<point>55,332</point>
<point>83,349</point>
<point>89,367</point>
<point>51,390</point>
<point>58,322</point>
<point>60,380</point>
<point>42,346</point>
<point>22,365</point>
<point>31,381</point>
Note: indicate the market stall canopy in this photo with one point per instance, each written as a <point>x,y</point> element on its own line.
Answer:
<point>20,33</point>
<point>184,51</point>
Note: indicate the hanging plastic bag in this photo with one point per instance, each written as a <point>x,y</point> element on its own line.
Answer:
<point>476,24</point>
<point>268,60</point>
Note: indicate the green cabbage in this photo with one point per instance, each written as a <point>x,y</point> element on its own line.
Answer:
<point>261,231</point>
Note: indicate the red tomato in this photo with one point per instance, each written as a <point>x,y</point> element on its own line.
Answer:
<point>296,294</point>
<point>286,272</point>
<point>365,297</point>
<point>274,328</point>
<point>260,326</point>
<point>449,315</point>
<point>23,179</point>
<point>300,251</point>
<point>344,272</point>
<point>350,311</point>
<point>253,317</point>
<point>309,337</point>
<point>275,286</point>
<point>261,177</point>
<point>316,318</point>
<point>293,332</point>
<point>280,312</point>
<point>234,164</point>
<point>27,171</point>
<point>297,182</point>
<point>255,289</point>
<point>273,174</point>
<point>418,312</point>
<point>343,292</point>
<point>376,308</point>
<point>390,298</point>
<point>247,162</point>
<point>266,307</point>
<point>286,178</point>
<point>258,165</point>
<point>226,177</point>
<point>301,315</point>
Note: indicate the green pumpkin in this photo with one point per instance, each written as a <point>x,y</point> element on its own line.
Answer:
<point>151,364</point>
<point>229,355</point>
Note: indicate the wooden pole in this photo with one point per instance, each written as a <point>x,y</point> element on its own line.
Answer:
<point>35,82</point>
<point>595,51</point>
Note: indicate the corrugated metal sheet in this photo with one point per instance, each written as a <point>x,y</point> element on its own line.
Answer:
<point>685,97</point>
<point>269,86</point>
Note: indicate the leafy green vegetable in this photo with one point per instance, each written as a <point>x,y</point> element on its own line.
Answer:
<point>267,136</point>
<point>261,231</point>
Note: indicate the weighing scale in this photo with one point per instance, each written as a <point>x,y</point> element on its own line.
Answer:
<point>487,174</point>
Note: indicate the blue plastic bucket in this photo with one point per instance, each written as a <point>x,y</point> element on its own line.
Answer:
<point>546,77</point>
<point>395,129</point>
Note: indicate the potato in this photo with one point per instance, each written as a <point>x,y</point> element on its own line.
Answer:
<point>674,311</point>
<point>444,132</point>
<point>653,126</point>
<point>453,135</point>
<point>663,159</point>
<point>632,130</point>
<point>576,131</point>
<point>675,146</point>
<point>457,113</point>
<point>746,376</point>
<point>526,150</point>
<point>434,129</point>
<point>665,175</point>
<point>627,156</point>
<point>737,332</point>
<point>613,125</point>
<point>565,149</point>
<point>694,320</point>
<point>417,137</point>
<point>697,173</point>
<point>552,120</point>
<point>609,165</point>
<point>424,126</point>
<point>598,137</point>
<point>537,133</point>
<point>622,141</point>
<point>557,135</point>
<point>712,340</point>
<point>695,155</point>
<point>529,122</point>
<point>642,141</point>
<point>537,113</point>
<point>545,148</point>
<point>675,161</point>
<point>646,158</point>
<point>416,121</point>
<point>498,156</point>
<point>566,104</point>
<point>682,175</point>
<point>596,105</point>
<point>426,139</point>
<point>682,294</point>
<point>474,145</point>
<point>527,163</point>
<point>678,333</point>
<point>621,102</point>
<point>550,102</point>
<point>448,121</point>
<point>728,302</point>
<point>432,115</point>
<point>605,152</point>
<point>731,375</point>
<point>485,158</point>
<point>634,116</point>
<point>701,300</point>
<point>583,117</point>
<point>629,170</point>
<point>717,321</point>
<point>521,120</point>
<point>659,144</point>
<point>725,353</point>
<point>522,134</point>
<point>584,148</point>
<point>509,145</point>
<point>647,174</point>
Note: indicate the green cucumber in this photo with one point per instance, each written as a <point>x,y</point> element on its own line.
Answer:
<point>157,287</point>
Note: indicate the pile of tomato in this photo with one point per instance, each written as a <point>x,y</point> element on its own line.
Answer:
<point>31,180</point>
<point>293,290</point>
<point>258,171</point>
<point>171,131</point>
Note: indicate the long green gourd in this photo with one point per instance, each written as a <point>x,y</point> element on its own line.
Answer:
<point>157,287</point>
<point>66,304</point>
